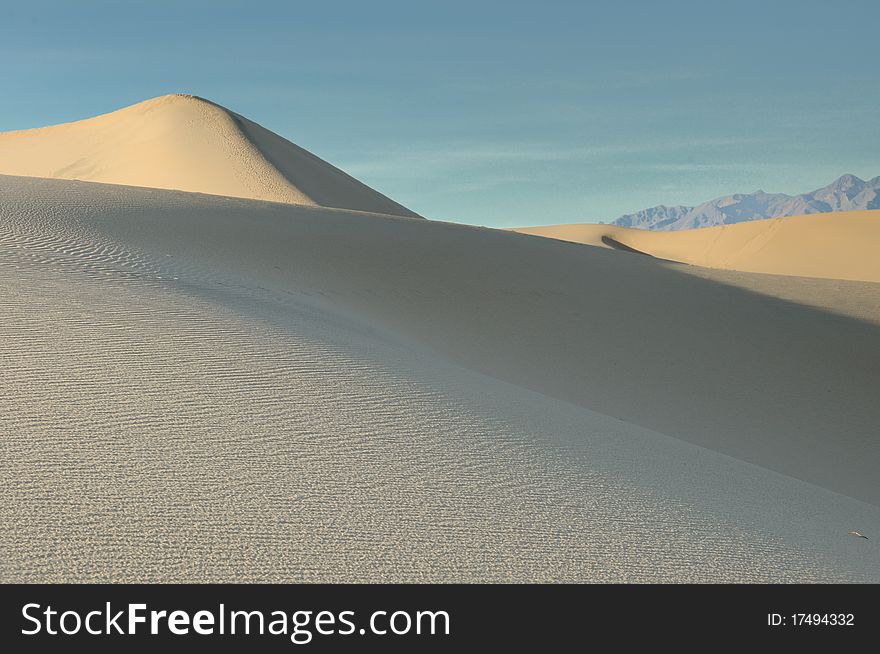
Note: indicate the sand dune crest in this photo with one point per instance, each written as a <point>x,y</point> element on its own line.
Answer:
<point>832,246</point>
<point>186,143</point>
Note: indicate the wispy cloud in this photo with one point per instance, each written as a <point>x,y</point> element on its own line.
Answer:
<point>697,167</point>
<point>428,160</point>
<point>640,79</point>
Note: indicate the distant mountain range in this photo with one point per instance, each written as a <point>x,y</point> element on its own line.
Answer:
<point>848,193</point>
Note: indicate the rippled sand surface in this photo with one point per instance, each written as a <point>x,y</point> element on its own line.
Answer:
<point>182,402</point>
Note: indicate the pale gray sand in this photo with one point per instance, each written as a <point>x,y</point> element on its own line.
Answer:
<point>712,357</point>
<point>199,417</point>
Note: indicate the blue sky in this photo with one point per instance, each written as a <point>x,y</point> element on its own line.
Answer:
<point>493,113</point>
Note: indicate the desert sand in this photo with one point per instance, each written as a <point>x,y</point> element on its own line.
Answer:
<point>191,144</point>
<point>840,245</point>
<point>210,388</point>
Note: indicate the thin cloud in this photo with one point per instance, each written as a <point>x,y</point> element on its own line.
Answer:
<point>427,160</point>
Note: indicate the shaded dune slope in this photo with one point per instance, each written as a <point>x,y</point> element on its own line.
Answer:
<point>226,389</point>
<point>777,383</point>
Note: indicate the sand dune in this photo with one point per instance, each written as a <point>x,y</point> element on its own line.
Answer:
<point>834,246</point>
<point>187,143</point>
<point>204,388</point>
